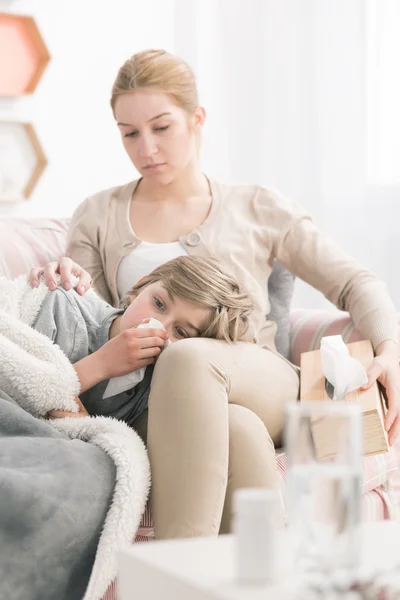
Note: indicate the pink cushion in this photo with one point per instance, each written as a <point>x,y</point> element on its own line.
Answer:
<point>27,243</point>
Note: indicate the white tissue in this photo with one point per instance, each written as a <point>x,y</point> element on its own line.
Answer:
<point>344,372</point>
<point>116,385</point>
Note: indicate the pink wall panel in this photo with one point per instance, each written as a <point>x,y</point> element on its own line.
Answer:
<point>23,55</point>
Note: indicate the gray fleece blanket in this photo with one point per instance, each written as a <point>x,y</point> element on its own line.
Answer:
<point>72,491</point>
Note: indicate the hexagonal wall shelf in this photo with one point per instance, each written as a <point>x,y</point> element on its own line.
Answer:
<point>22,160</point>
<point>23,55</point>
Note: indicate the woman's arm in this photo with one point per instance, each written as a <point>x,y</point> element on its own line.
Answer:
<point>311,255</point>
<point>83,242</point>
<point>314,257</point>
<point>83,258</point>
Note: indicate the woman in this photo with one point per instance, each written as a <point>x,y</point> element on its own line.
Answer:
<point>215,410</point>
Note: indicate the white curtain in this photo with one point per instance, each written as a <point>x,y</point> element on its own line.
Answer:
<point>287,85</point>
<point>383,81</point>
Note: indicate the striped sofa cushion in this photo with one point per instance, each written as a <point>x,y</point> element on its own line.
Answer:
<point>26,243</point>
<point>309,326</point>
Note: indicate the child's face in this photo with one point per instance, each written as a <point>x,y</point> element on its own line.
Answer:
<point>181,318</point>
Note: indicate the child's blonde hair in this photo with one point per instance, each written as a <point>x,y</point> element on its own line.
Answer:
<point>160,70</point>
<point>204,281</point>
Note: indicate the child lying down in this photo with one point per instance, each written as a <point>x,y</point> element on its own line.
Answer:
<point>114,350</point>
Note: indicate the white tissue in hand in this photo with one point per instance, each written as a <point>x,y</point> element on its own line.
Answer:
<point>344,372</point>
<point>116,385</point>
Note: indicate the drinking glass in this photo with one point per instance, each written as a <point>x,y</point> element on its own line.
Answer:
<point>324,472</point>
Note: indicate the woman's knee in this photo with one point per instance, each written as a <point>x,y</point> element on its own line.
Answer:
<point>188,352</point>
<point>190,359</point>
<point>186,372</point>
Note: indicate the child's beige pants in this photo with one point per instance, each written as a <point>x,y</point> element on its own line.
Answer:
<point>215,412</point>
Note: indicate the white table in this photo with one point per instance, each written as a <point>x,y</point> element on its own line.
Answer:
<point>203,568</point>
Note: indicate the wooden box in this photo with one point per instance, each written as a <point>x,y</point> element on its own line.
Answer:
<point>312,388</point>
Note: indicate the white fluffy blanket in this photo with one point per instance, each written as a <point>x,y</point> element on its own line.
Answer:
<point>39,377</point>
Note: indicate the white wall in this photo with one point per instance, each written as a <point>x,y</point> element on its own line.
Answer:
<point>88,41</point>
<point>283,82</point>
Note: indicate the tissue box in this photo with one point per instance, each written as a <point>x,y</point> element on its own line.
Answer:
<point>312,388</point>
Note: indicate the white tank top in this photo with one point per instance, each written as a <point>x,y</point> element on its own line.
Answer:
<point>142,260</point>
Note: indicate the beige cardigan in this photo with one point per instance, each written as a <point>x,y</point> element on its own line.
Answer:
<point>247,227</point>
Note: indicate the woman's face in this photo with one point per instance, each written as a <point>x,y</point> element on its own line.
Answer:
<point>180,318</point>
<point>158,135</point>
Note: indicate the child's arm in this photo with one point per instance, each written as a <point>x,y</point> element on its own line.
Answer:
<point>78,325</point>
<point>128,351</point>
<point>60,414</point>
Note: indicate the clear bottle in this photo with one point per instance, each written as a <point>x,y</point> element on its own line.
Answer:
<point>256,528</point>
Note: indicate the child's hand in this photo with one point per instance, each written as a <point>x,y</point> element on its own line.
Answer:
<point>61,414</point>
<point>130,350</point>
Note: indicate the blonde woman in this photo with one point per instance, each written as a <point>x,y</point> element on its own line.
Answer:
<point>215,409</point>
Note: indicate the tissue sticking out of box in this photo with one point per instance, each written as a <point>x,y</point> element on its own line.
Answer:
<point>344,372</point>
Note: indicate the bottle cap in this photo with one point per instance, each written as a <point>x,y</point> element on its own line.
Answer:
<point>256,501</point>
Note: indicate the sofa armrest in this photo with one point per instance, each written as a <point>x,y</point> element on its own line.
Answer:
<point>27,243</point>
<point>307,327</point>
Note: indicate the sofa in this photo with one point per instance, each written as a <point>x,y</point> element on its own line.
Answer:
<point>31,242</point>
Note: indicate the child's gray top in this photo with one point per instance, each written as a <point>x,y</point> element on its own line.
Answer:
<point>80,325</point>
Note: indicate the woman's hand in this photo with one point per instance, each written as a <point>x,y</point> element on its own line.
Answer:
<point>61,414</point>
<point>65,267</point>
<point>385,369</point>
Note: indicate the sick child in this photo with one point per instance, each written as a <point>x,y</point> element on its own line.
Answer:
<point>188,296</point>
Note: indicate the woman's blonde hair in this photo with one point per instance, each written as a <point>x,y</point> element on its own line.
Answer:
<point>204,281</point>
<point>161,70</point>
